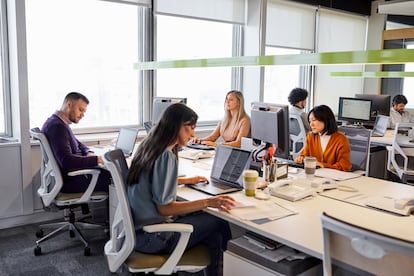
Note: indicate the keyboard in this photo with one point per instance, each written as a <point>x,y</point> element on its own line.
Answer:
<point>291,163</point>
<point>199,146</point>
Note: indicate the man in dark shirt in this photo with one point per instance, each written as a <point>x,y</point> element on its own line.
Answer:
<point>69,152</point>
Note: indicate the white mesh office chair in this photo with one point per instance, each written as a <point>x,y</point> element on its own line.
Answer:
<point>400,154</point>
<point>297,135</point>
<point>360,142</point>
<point>361,250</point>
<point>120,247</point>
<point>52,198</point>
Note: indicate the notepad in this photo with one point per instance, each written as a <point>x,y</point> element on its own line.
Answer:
<point>335,174</point>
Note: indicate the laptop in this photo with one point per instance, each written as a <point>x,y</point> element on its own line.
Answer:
<point>380,126</point>
<point>126,142</point>
<point>227,171</point>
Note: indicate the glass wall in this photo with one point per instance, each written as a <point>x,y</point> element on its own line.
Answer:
<point>280,80</point>
<point>87,46</point>
<point>204,88</point>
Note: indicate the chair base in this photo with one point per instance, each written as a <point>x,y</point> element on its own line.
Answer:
<point>72,225</point>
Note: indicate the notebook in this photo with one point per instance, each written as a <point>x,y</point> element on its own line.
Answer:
<point>125,142</point>
<point>227,171</point>
<point>380,126</point>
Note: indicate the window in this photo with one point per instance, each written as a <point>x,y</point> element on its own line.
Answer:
<point>408,83</point>
<point>280,80</point>
<point>88,46</point>
<point>5,118</point>
<point>183,38</point>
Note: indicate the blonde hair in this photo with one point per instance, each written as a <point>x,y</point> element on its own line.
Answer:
<point>227,115</point>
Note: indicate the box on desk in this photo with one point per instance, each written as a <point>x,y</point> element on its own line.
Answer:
<point>256,255</point>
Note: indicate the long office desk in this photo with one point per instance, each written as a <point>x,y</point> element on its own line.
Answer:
<point>303,231</point>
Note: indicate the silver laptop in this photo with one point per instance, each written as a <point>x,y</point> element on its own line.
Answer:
<point>380,126</point>
<point>227,171</point>
<point>126,142</point>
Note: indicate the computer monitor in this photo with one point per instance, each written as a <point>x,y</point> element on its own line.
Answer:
<point>161,103</point>
<point>355,111</point>
<point>270,125</point>
<point>380,104</point>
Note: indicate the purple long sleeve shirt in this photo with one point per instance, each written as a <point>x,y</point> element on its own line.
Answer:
<point>69,152</point>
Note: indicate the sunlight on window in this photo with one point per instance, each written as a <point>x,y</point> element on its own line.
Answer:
<point>280,80</point>
<point>84,46</point>
<point>204,88</point>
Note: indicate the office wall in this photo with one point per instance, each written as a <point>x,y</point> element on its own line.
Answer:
<point>22,181</point>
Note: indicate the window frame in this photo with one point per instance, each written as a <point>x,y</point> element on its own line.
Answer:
<point>5,70</point>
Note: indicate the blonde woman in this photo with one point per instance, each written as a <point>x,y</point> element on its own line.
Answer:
<point>234,125</point>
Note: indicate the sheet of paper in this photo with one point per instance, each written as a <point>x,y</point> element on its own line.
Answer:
<point>264,210</point>
<point>335,174</point>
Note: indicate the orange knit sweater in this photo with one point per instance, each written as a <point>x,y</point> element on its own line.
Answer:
<point>337,154</point>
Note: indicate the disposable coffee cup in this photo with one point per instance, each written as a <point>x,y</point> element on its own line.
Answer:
<point>310,165</point>
<point>249,182</point>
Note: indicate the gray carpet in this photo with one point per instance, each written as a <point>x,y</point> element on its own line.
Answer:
<point>61,255</point>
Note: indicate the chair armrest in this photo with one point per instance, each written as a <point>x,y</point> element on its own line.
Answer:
<point>185,229</point>
<point>84,171</point>
<point>91,187</point>
<point>169,227</point>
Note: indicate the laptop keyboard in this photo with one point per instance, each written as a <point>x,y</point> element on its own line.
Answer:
<point>199,146</point>
<point>220,185</point>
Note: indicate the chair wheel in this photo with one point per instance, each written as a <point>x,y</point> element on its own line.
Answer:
<point>37,251</point>
<point>71,233</point>
<point>40,233</point>
<point>87,251</point>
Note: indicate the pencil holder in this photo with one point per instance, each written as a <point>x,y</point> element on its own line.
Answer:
<point>269,172</point>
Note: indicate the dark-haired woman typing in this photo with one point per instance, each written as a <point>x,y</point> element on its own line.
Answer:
<point>152,188</point>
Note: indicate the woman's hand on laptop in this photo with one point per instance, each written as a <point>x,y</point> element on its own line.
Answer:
<point>223,203</point>
<point>192,180</point>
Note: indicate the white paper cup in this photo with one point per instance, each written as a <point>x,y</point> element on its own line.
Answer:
<point>310,165</point>
<point>249,182</point>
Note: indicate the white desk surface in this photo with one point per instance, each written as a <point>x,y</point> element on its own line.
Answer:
<point>388,138</point>
<point>303,231</point>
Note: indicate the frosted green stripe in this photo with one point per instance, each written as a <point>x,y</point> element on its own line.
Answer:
<point>385,74</point>
<point>391,56</point>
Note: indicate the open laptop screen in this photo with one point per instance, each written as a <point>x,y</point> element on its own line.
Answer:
<point>229,164</point>
<point>126,140</point>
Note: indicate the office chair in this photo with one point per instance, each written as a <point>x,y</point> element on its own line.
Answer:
<point>297,135</point>
<point>53,199</point>
<point>401,152</point>
<point>120,247</point>
<point>361,250</point>
<point>360,141</point>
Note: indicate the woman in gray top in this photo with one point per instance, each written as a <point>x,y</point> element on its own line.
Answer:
<point>152,188</point>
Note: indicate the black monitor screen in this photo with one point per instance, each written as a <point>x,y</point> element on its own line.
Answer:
<point>161,103</point>
<point>270,124</point>
<point>354,110</point>
<point>380,104</point>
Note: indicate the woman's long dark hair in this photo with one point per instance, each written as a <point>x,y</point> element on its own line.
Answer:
<point>324,114</point>
<point>163,134</point>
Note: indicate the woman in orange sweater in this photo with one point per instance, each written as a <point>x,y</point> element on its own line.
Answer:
<point>330,147</point>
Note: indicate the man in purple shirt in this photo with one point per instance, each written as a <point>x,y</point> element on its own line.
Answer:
<point>69,152</point>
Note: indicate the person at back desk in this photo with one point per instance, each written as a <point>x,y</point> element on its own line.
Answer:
<point>69,152</point>
<point>398,114</point>
<point>234,126</point>
<point>297,98</point>
<point>330,147</point>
